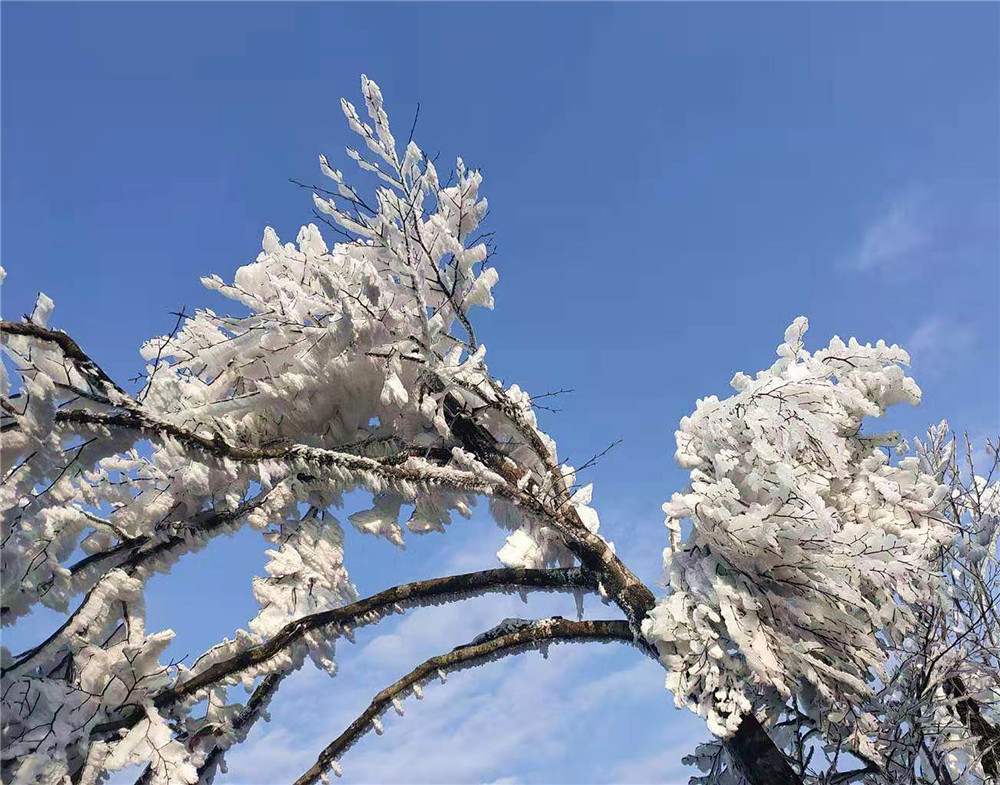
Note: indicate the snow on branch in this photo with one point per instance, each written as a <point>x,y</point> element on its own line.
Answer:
<point>810,552</point>
<point>210,672</point>
<point>219,667</point>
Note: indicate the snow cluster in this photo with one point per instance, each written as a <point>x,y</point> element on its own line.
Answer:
<point>808,549</point>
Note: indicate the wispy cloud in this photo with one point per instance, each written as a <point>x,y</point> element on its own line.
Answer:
<point>663,766</point>
<point>901,231</point>
<point>938,343</point>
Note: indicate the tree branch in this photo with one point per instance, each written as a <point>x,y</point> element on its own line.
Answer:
<point>495,645</point>
<point>245,720</point>
<point>131,554</point>
<point>242,724</point>
<point>987,737</point>
<point>366,611</point>
<point>69,347</point>
<point>756,757</point>
<point>620,583</point>
<point>406,595</point>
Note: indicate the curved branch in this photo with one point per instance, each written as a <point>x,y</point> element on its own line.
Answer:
<point>134,418</point>
<point>365,611</point>
<point>132,553</point>
<point>203,522</point>
<point>371,608</point>
<point>409,464</point>
<point>259,700</point>
<point>69,347</point>
<point>756,755</point>
<point>618,581</point>
<point>529,635</point>
<point>573,579</point>
<point>241,726</point>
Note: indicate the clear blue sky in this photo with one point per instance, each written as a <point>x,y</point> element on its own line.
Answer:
<point>670,185</point>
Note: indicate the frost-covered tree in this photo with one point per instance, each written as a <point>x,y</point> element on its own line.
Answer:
<point>810,563</point>
<point>932,708</point>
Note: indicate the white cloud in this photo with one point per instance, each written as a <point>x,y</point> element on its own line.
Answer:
<point>902,230</point>
<point>939,342</point>
<point>631,684</point>
<point>661,766</point>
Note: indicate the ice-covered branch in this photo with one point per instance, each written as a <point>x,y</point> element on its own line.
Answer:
<point>265,657</point>
<point>522,637</point>
<point>343,373</point>
<point>71,349</point>
<point>434,590</point>
<point>255,708</point>
<point>987,736</point>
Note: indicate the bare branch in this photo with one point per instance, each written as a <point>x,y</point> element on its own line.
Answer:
<point>454,587</point>
<point>528,636</point>
<point>181,316</point>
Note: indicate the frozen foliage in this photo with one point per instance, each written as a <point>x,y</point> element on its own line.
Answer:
<point>809,551</point>
<point>353,367</point>
<point>938,705</point>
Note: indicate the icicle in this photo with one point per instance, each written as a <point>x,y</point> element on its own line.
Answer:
<point>418,692</point>
<point>397,705</point>
<point>377,725</point>
<point>335,767</point>
<point>578,596</point>
<point>442,676</point>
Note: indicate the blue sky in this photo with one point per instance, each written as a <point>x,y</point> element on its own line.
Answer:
<point>670,185</point>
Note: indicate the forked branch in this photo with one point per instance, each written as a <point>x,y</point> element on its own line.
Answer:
<point>988,737</point>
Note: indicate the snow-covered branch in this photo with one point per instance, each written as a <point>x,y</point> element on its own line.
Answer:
<point>210,671</point>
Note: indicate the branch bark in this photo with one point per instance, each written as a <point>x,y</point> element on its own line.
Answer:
<point>755,754</point>
<point>245,720</point>
<point>530,635</point>
<point>757,757</point>
<point>987,737</point>
<point>69,347</point>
